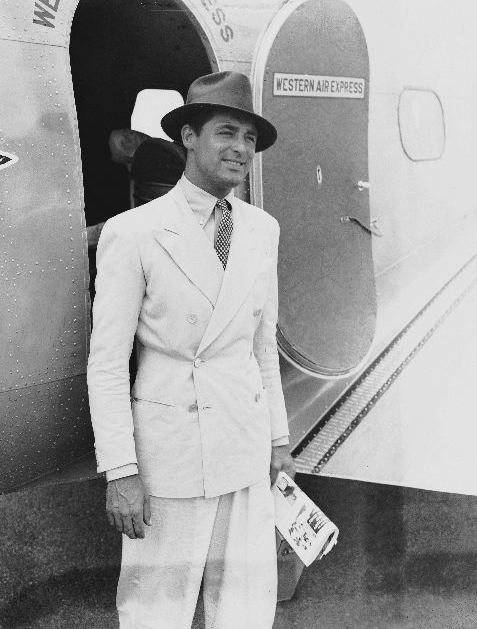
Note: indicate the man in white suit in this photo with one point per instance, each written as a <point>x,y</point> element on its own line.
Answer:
<point>191,451</point>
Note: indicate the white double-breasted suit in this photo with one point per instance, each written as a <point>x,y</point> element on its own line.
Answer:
<point>207,400</point>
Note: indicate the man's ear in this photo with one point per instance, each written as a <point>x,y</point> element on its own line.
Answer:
<point>188,135</point>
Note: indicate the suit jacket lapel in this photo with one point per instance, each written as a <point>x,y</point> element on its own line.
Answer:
<point>243,262</point>
<point>185,241</point>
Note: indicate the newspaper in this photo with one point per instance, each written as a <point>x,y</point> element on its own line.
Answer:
<point>305,527</point>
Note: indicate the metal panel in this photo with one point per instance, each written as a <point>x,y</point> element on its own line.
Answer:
<point>44,311</point>
<point>43,427</point>
<point>311,184</point>
<point>422,431</point>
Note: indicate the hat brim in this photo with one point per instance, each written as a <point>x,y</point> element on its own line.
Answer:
<point>173,122</point>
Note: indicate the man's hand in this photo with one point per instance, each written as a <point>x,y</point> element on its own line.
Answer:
<point>128,506</point>
<point>281,461</point>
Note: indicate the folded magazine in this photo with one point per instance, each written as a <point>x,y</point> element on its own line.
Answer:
<point>305,527</point>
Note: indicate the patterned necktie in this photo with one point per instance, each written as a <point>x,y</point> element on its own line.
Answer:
<point>224,233</point>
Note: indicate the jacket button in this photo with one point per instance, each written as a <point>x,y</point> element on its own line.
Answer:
<point>193,408</point>
<point>192,318</point>
<point>197,362</point>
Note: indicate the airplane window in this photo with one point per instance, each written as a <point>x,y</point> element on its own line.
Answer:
<point>150,107</point>
<point>421,124</point>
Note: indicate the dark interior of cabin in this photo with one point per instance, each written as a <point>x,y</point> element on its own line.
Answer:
<point>117,49</point>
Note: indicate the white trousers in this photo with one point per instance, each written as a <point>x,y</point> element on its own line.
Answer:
<point>228,540</point>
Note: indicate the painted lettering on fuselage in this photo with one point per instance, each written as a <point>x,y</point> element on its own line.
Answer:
<point>219,19</point>
<point>7,159</point>
<point>45,12</point>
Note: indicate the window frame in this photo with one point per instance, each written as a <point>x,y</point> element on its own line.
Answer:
<point>409,88</point>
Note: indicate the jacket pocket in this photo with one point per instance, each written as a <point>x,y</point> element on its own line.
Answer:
<point>139,400</point>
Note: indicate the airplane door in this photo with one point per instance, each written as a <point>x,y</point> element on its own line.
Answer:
<point>311,79</point>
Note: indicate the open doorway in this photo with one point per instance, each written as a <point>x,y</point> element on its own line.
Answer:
<point>117,49</point>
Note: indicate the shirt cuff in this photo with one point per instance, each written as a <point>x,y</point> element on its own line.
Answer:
<point>281,441</point>
<point>121,472</point>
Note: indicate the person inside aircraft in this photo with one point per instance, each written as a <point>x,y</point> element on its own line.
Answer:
<point>156,167</point>
<point>123,144</point>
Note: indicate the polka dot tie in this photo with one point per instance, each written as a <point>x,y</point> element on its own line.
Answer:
<point>224,233</point>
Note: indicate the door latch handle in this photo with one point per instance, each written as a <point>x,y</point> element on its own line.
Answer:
<point>372,228</point>
<point>363,185</point>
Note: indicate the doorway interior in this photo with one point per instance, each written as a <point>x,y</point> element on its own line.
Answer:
<point>117,49</point>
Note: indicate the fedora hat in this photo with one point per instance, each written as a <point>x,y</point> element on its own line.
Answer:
<point>220,90</point>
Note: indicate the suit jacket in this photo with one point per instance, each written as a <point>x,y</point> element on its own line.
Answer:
<point>207,399</point>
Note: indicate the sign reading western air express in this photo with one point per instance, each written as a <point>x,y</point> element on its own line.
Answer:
<point>321,86</point>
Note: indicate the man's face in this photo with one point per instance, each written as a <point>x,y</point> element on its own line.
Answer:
<point>220,157</point>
